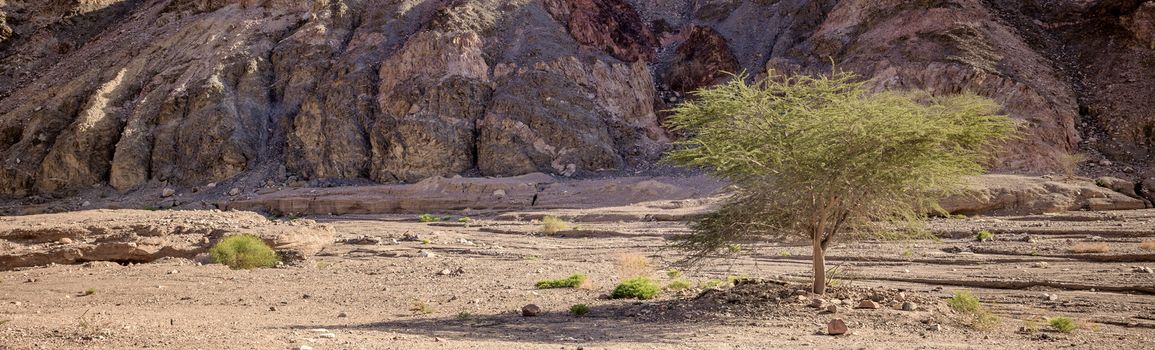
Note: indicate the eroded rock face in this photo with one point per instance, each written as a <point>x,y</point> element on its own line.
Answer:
<point>131,93</point>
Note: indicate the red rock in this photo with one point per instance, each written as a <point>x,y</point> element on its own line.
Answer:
<point>836,327</point>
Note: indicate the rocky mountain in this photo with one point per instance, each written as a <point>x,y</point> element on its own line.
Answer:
<point>135,93</point>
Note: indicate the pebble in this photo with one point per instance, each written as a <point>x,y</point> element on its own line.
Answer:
<point>1051,297</point>
<point>445,272</point>
<point>425,254</point>
<point>832,309</point>
<point>935,327</point>
<point>1144,270</point>
<point>272,308</point>
<point>530,310</point>
<point>327,335</point>
<point>818,304</point>
<point>342,314</point>
<point>836,301</point>
<point>235,191</point>
<point>65,240</point>
<point>909,306</point>
<point>836,327</point>
<point>302,347</point>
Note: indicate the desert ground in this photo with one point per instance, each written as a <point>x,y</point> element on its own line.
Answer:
<point>389,281</point>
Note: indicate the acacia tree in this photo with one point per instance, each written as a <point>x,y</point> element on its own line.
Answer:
<point>816,157</point>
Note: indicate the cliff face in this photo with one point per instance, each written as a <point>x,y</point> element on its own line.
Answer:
<point>187,92</point>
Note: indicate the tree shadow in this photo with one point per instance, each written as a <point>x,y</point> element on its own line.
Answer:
<point>635,322</point>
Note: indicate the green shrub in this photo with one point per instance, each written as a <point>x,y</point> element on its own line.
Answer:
<point>636,288</point>
<point>89,291</point>
<point>984,236</point>
<point>579,310</point>
<point>674,273</point>
<point>1063,324</point>
<point>464,220</point>
<point>678,284</point>
<point>710,284</point>
<point>973,313</point>
<point>574,281</point>
<point>244,252</point>
<point>429,218</point>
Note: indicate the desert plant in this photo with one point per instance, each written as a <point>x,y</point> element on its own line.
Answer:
<point>1084,248</point>
<point>1063,324</point>
<point>984,235</point>
<point>1147,245</point>
<point>579,310</point>
<point>429,218</point>
<point>678,284</point>
<point>1069,163</point>
<point>973,313</point>
<point>813,157</point>
<point>2,322</point>
<point>633,265</point>
<point>464,220</point>
<point>712,283</point>
<point>573,281</point>
<point>674,273</point>
<point>244,252</point>
<point>636,288</point>
<point>464,315</point>
<point>551,224</point>
<point>89,291</point>
<point>421,307</point>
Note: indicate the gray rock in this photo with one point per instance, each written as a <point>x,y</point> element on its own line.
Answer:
<point>832,309</point>
<point>167,192</point>
<point>909,306</point>
<point>235,191</point>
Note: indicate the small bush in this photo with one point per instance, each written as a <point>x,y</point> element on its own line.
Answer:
<point>551,224</point>
<point>973,312</point>
<point>674,273</point>
<point>464,220</point>
<point>89,291</point>
<point>710,284</point>
<point>429,218</point>
<point>1063,324</point>
<point>421,307</point>
<point>633,265</point>
<point>464,315</point>
<point>579,310</point>
<point>244,252</point>
<point>984,235</point>
<point>636,288</point>
<point>678,284</point>
<point>1147,245</point>
<point>574,281</point>
<point>1083,248</point>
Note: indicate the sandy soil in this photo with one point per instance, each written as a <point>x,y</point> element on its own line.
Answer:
<point>468,295</point>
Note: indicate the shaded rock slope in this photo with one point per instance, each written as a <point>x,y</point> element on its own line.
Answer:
<point>134,94</point>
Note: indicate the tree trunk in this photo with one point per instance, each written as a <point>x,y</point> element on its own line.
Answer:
<point>819,268</point>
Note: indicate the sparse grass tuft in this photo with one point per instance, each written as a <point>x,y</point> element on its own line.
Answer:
<point>674,273</point>
<point>464,220</point>
<point>633,265</point>
<point>421,307</point>
<point>984,235</point>
<point>244,252</point>
<point>678,284</point>
<point>974,315</point>
<point>89,291</point>
<point>710,284</point>
<point>784,253</point>
<point>636,288</point>
<point>464,316</point>
<point>1063,324</point>
<point>734,248</point>
<point>579,310</point>
<point>575,281</point>
<point>1147,245</point>
<point>551,224</point>
<point>1084,248</point>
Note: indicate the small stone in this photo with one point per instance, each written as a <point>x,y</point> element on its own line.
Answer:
<point>167,192</point>
<point>818,304</point>
<point>272,308</point>
<point>603,296</point>
<point>1041,265</point>
<point>530,310</point>
<point>173,272</point>
<point>425,254</point>
<point>909,306</point>
<point>836,327</point>
<point>1144,269</point>
<point>327,335</point>
<point>900,297</point>
<point>211,185</point>
<point>302,347</point>
<point>832,309</point>
<point>445,272</point>
<point>836,301</point>
<point>803,299</point>
<point>235,191</point>
<point>1052,297</point>
<point>499,193</point>
<point>342,314</point>
<point>935,328</point>
<point>65,240</point>
<point>868,304</point>
<point>1105,162</point>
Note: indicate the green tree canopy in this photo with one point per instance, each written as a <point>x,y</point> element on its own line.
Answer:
<point>816,156</point>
